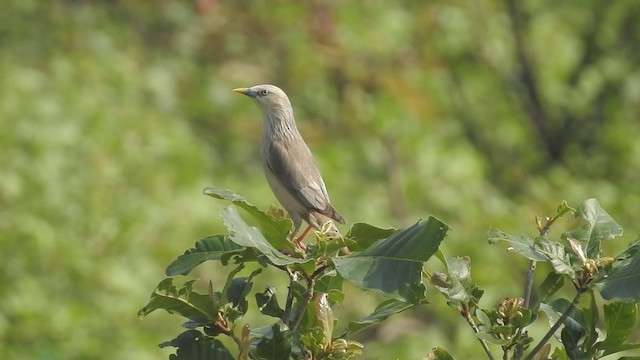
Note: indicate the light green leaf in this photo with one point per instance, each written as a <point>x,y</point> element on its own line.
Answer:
<point>365,235</point>
<point>183,301</point>
<point>381,313</point>
<point>522,245</point>
<point>438,353</point>
<point>599,226</point>
<point>275,231</point>
<point>393,266</point>
<point>210,248</point>
<point>556,255</point>
<point>244,235</point>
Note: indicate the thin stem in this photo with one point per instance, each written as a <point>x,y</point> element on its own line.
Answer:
<point>528,286</point>
<point>555,326</point>
<point>465,313</point>
<point>302,307</point>
<point>289,304</point>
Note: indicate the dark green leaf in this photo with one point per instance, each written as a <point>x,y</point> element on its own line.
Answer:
<point>381,313</point>
<point>620,319</point>
<point>275,345</point>
<point>238,290</point>
<point>365,235</point>
<point>275,231</point>
<point>249,236</point>
<point>599,226</point>
<point>183,301</point>
<point>393,266</point>
<point>551,284</point>
<point>210,248</point>
<point>268,303</point>
<point>522,245</point>
<point>438,353</point>
<point>590,323</point>
<point>623,283</point>
<point>193,345</point>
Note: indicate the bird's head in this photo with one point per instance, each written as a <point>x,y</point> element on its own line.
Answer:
<point>268,97</point>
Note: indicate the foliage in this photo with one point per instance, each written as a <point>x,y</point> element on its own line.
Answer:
<point>390,262</point>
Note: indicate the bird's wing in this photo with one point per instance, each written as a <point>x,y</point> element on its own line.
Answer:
<point>295,168</point>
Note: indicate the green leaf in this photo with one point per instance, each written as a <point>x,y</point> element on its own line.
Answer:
<point>238,289</point>
<point>438,353</point>
<point>331,284</point>
<point>393,266</point>
<point>599,226</point>
<point>324,318</point>
<point>274,346</point>
<point>461,290</point>
<point>183,301</point>
<point>522,245</point>
<point>268,303</point>
<point>365,235</point>
<point>192,344</point>
<point>554,253</point>
<point>620,319</point>
<point>275,231</point>
<point>244,235</point>
<point>210,248</point>
<point>551,284</point>
<point>380,314</point>
<point>623,282</point>
<point>490,338</point>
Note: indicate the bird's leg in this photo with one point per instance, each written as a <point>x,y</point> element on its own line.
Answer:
<point>298,240</point>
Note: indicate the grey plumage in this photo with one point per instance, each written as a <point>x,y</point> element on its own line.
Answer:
<point>288,163</point>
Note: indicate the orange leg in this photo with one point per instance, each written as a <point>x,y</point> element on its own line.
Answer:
<point>298,240</point>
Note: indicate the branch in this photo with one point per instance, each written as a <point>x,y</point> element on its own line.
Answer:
<point>465,313</point>
<point>555,326</point>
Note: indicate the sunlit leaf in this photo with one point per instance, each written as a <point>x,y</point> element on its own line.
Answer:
<point>324,316</point>
<point>438,353</point>
<point>599,226</point>
<point>275,231</point>
<point>381,313</point>
<point>365,235</point>
<point>183,301</point>
<point>554,252</point>
<point>210,248</point>
<point>393,266</point>
<point>522,245</point>
<point>244,235</point>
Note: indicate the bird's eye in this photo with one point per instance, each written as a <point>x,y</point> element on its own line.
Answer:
<point>264,92</point>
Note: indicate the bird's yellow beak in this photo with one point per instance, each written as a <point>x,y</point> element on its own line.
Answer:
<point>241,90</point>
<point>246,91</point>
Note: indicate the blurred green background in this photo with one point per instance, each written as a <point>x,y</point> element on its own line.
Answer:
<point>115,114</point>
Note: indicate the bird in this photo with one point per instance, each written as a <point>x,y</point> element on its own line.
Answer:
<point>289,166</point>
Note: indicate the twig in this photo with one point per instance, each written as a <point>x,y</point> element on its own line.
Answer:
<point>465,313</point>
<point>555,326</point>
<point>302,307</point>
<point>287,307</point>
